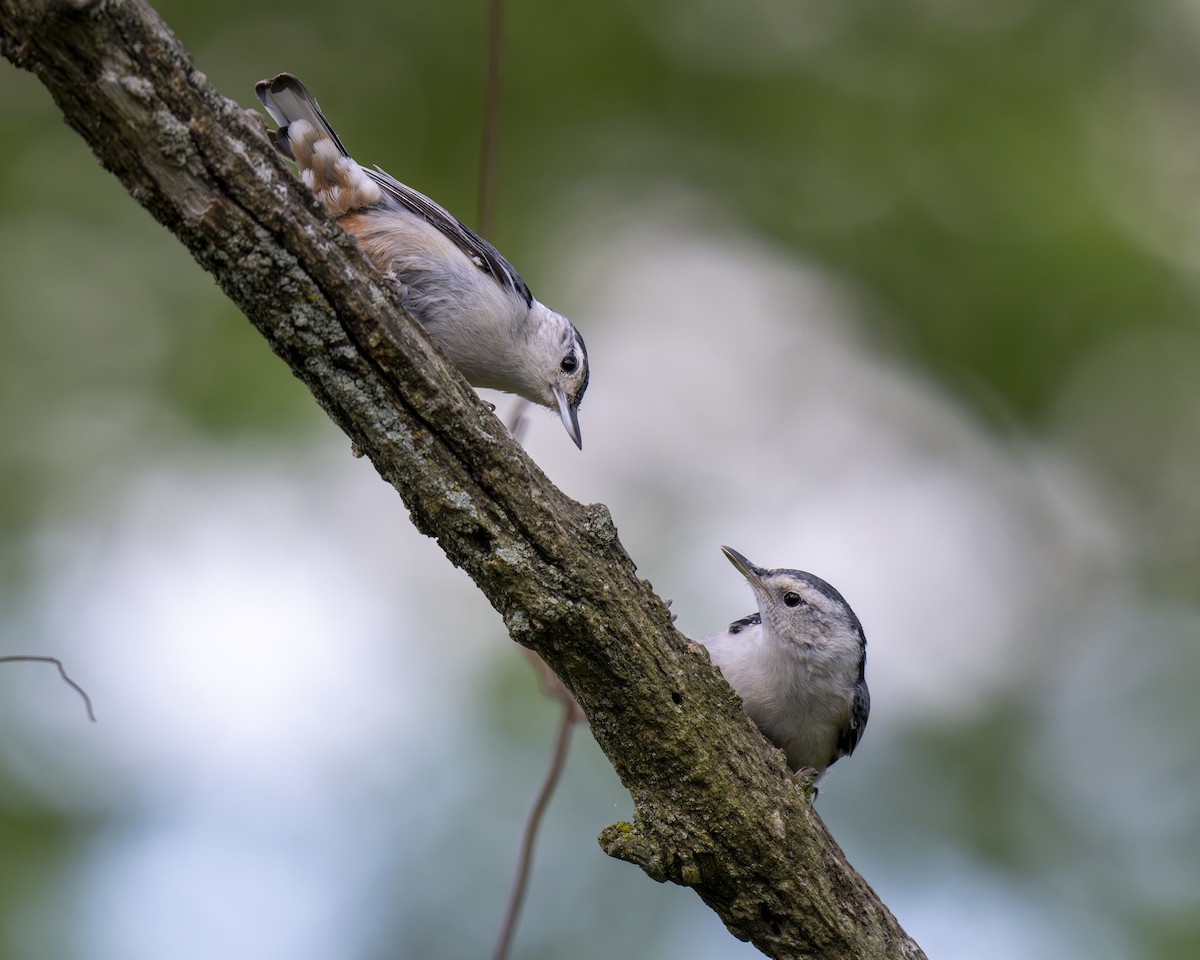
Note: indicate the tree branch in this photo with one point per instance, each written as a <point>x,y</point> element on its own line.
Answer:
<point>713,806</point>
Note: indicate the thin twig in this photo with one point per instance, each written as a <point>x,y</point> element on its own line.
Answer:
<point>550,684</point>
<point>516,895</point>
<point>518,421</point>
<point>29,658</point>
<point>491,118</point>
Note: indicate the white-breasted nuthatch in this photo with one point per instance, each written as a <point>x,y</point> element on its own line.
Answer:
<point>798,664</point>
<point>467,296</point>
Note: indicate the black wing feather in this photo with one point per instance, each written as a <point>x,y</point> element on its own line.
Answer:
<point>739,625</point>
<point>860,710</point>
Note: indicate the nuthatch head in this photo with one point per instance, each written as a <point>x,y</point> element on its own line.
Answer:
<point>798,664</point>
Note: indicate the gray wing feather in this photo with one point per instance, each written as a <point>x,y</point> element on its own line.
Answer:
<point>287,100</point>
<point>484,255</point>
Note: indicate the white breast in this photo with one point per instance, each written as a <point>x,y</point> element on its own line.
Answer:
<point>791,692</point>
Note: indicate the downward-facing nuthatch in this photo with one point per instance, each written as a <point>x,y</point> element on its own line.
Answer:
<point>469,298</point>
<point>798,664</point>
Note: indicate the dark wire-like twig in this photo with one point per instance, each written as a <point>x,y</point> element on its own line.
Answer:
<point>570,716</point>
<point>489,150</point>
<point>550,684</point>
<point>491,119</point>
<point>62,672</point>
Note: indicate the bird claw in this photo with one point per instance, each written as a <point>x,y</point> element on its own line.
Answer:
<point>397,285</point>
<point>667,604</point>
<point>805,780</point>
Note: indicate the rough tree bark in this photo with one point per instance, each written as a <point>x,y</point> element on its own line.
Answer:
<point>713,807</point>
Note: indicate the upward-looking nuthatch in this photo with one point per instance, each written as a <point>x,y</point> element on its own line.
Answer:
<point>469,298</point>
<point>798,664</point>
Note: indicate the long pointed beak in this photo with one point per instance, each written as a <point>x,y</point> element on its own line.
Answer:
<point>569,414</point>
<point>744,566</point>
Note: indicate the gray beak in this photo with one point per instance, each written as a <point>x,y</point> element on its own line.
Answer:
<point>569,414</point>
<point>744,566</point>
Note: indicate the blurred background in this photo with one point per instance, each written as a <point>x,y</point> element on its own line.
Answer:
<point>902,293</point>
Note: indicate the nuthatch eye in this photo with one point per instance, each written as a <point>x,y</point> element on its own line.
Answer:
<point>466,295</point>
<point>798,664</point>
